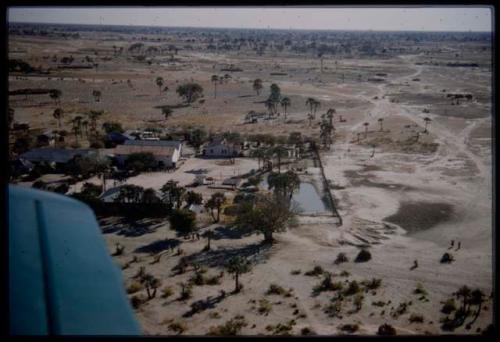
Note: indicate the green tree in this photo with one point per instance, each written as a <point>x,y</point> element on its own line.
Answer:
<point>173,194</point>
<point>215,203</point>
<point>280,153</point>
<point>257,86</point>
<point>141,161</point>
<point>159,83</point>
<point>190,91</point>
<point>214,80</point>
<point>285,103</point>
<point>237,266</point>
<point>149,196</point>
<point>130,193</point>
<point>167,112</point>
<point>97,95</point>
<point>58,115</point>
<point>267,214</point>
<point>193,198</point>
<point>77,126</point>
<point>209,234</point>
<point>284,185</point>
<point>94,115</point>
<point>55,94</point>
<point>183,221</point>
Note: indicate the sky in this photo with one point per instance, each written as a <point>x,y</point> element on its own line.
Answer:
<point>472,18</point>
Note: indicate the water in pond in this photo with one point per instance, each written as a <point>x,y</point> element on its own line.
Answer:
<point>307,198</point>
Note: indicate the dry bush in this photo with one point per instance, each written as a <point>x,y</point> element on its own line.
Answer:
<point>167,292</point>
<point>350,328</point>
<point>230,328</point>
<point>363,256</point>
<point>177,327</point>
<point>341,257</point>
<point>353,288</point>
<point>386,330</point>
<point>264,307</point>
<point>316,271</point>
<point>307,331</point>
<point>134,287</point>
<point>295,272</point>
<point>373,284</point>
<point>415,318</point>
<point>449,306</point>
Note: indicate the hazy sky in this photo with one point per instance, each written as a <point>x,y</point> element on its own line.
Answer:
<point>417,18</point>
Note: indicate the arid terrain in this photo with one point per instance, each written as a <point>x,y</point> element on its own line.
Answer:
<point>404,186</point>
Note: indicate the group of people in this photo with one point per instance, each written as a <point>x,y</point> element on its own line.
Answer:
<point>452,244</point>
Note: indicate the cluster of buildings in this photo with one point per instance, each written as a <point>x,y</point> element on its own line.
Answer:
<point>167,153</point>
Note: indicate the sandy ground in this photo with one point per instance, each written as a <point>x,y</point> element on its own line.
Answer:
<point>405,203</point>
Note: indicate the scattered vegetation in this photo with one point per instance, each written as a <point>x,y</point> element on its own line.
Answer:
<point>363,256</point>
<point>316,271</point>
<point>265,307</point>
<point>177,327</point>
<point>349,328</point>
<point>341,257</point>
<point>386,330</point>
<point>230,328</point>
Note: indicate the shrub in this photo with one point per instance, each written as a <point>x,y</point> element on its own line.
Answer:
<point>334,309</point>
<point>295,272</point>
<point>136,301</point>
<point>345,274</point>
<point>134,287</point>
<point>386,330</point>
<point>379,303</point>
<point>119,249</point>
<point>358,301</point>
<point>230,328</point>
<point>350,328</point>
<point>214,315</point>
<point>264,307</point>
<point>327,285</point>
<point>276,289</point>
<point>307,331</point>
<point>353,288</point>
<point>363,256</point>
<point>449,306</point>
<point>177,327</point>
<point>341,257</point>
<point>447,258</point>
<point>414,318</point>
<point>213,280</point>
<point>167,292</point>
<point>282,328</point>
<point>186,291</point>
<point>317,270</point>
<point>420,290</point>
<point>373,284</point>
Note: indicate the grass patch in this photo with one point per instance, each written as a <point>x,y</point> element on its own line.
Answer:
<point>341,258</point>
<point>265,307</point>
<point>230,328</point>
<point>134,287</point>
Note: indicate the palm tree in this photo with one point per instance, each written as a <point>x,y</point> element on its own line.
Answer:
<point>77,126</point>
<point>427,120</point>
<point>166,112</point>
<point>310,117</point>
<point>159,82</point>
<point>476,298</point>
<point>85,125</point>
<point>280,152</point>
<point>216,202</point>
<point>237,266</point>
<point>366,128</point>
<point>209,234</point>
<point>284,184</point>
<point>285,103</point>
<point>316,105</point>
<point>97,95</point>
<point>149,196</point>
<point>93,116</point>
<point>55,94</point>
<point>258,153</point>
<point>326,133</point>
<point>329,115</point>
<point>214,80</point>
<point>257,86</point>
<point>310,102</point>
<point>381,121</point>
<point>269,106</point>
<point>58,115</point>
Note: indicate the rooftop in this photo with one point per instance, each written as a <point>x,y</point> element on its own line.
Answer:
<point>155,150</point>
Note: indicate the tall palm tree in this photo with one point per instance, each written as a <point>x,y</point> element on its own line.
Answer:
<point>166,112</point>
<point>257,86</point>
<point>58,115</point>
<point>214,80</point>
<point>366,128</point>
<point>315,107</point>
<point>77,126</point>
<point>97,95</point>
<point>329,114</point>
<point>269,106</point>
<point>427,120</point>
<point>285,103</point>
<point>381,121</point>
<point>94,116</point>
<point>310,117</point>
<point>159,82</point>
<point>280,152</point>
<point>55,94</point>
<point>477,297</point>
<point>310,102</point>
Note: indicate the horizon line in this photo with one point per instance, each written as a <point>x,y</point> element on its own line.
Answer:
<point>250,28</point>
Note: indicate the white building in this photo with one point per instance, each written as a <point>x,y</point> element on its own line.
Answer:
<point>220,148</point>
<point>166,153</point>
